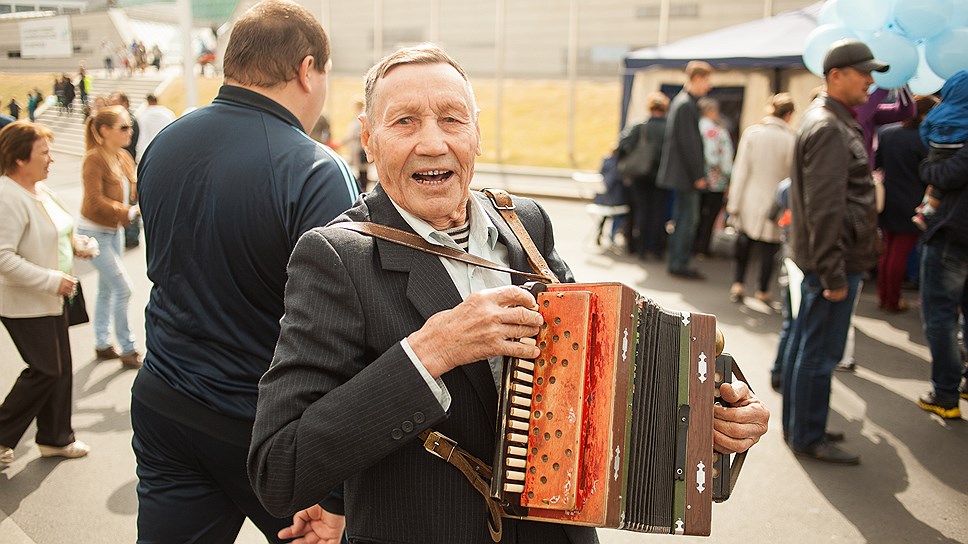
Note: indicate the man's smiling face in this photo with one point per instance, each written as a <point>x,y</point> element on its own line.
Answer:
<point>422,135</point>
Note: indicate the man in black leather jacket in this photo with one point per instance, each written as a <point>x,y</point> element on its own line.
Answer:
<point>834,241</point>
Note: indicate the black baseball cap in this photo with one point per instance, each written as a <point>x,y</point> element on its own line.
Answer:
<point>852,54</point>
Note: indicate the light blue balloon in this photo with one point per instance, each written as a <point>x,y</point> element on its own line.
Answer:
<point>863,16</point>
<point>947,53</point>
<point>921,19</point>
<point>959,14</point>
<point>899,53</point>
<point>819,41</point>
<point>924,81</point>
<point>828,14</point>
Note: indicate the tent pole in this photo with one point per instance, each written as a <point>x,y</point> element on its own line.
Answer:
<point>572,76</point>
<point>664,7</point>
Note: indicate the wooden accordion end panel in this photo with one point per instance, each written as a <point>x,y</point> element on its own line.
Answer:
<point>611,426</point>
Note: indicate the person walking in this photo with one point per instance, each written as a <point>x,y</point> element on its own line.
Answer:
<point>834,241</point>
<point>763,159</point>
<point>37,249</point>
<point>108,175</point>
<point>222,214</point>
<point>682,168</point>
<point>154,118</point>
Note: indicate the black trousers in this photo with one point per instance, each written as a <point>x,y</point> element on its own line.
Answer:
<point>709,207</point>
<point>767,251</point>
<point>43,390</point>
<point>192,486</point>
<point>649,210</point>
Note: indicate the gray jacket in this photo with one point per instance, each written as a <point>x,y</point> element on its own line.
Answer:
<point>834,228</point>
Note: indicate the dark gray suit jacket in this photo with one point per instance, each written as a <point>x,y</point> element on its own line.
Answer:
<point>342,402</point>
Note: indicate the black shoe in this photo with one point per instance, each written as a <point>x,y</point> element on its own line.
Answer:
<point>829,453</point>
<point>834,436</point>
<point>930,403</point>
<point>688,274</point>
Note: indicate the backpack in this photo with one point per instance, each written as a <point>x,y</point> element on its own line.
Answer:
<point>639,161</point>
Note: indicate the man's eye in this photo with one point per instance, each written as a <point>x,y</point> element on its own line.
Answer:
<point>404,121</point>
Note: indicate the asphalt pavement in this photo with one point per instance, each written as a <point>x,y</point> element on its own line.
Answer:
<point>911,486</point>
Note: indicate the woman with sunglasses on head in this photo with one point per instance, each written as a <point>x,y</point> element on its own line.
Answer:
<point>109,184</point>
<point>37,250</point>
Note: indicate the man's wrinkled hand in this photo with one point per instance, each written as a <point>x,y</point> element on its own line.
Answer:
<point>485,325</point>
<point>315,525</point>
<point>738,427</point>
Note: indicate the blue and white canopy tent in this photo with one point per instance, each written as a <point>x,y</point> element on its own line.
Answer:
<point>762,57</point>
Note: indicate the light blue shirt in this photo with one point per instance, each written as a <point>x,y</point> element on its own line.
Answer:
<point>483,242</point>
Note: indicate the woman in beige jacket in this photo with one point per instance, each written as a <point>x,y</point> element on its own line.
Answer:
<point>37,248</point>
<point>109,184</point>
<point>763,160</point>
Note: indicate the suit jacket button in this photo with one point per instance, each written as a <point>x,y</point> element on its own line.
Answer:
<point>418,418</point>
<point>407,426</point>
<point>397,434</point>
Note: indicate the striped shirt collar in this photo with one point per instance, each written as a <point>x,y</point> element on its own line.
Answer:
<point>483,233</point>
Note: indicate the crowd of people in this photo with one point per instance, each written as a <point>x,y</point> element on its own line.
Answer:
<point>293,360</point>
<point>846,192</point>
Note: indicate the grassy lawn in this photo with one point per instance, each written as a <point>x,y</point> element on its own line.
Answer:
<point>534,129</point>
<point>20,85</point>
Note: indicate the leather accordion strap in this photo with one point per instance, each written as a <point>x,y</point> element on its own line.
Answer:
<point>413,241</point>
<point>503,204</point>
<point>477,472</point>
<point>740,457</point>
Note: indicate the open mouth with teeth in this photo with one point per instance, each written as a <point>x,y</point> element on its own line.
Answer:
<point>432,177</point>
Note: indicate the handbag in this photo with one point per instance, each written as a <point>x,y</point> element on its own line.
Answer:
<point>638,162</point>
<point>76,308</point>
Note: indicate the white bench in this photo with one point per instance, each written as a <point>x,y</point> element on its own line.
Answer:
<point>589,184</point>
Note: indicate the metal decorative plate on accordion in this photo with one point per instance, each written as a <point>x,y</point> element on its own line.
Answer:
<point>611,426</point>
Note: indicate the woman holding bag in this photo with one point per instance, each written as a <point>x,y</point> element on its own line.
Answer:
<point>109,184</point>
<point>37,247</point>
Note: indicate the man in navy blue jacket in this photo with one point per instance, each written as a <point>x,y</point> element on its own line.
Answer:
<point>226,192</point>
<point>944,284</point>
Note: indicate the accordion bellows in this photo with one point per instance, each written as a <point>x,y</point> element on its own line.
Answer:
<point>611,426</point>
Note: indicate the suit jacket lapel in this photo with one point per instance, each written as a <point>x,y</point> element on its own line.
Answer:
<point>429,287</point>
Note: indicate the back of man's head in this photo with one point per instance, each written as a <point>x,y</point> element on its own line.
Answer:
<point>269,42</point>
<point>152,100</point>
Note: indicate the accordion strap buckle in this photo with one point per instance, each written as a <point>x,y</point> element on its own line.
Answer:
<point>440,445</point>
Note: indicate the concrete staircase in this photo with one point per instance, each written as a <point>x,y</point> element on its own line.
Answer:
<point>68,128</point>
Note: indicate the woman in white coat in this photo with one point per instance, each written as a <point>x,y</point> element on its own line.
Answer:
<point>37,248</point>
<point>762,161</point>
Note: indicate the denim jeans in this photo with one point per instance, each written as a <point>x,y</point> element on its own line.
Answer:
<point>113,292</point>
<point>820,332</point>
<point>683,237</point>
<point>944,272</point>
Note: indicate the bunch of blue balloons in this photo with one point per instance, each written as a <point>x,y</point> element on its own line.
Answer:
<point>924,41</point>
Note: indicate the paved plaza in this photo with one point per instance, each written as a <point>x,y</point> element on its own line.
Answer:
<point>912,486</point>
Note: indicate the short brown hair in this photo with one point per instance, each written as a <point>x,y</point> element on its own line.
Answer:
<point>269,42</point>
<point>698,68</point>
<point>17,143</point>
<point>425,53</point>
<point>924,102</point>
<point>780,105</point>
<point>657,102</point>
<point>105,117</point>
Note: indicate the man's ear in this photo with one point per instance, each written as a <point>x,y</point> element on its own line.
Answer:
<point>308,63</point>
<point>365,135</point>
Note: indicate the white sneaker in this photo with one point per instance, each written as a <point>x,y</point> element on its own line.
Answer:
<point>71,451</point>
<point>6,455</point>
